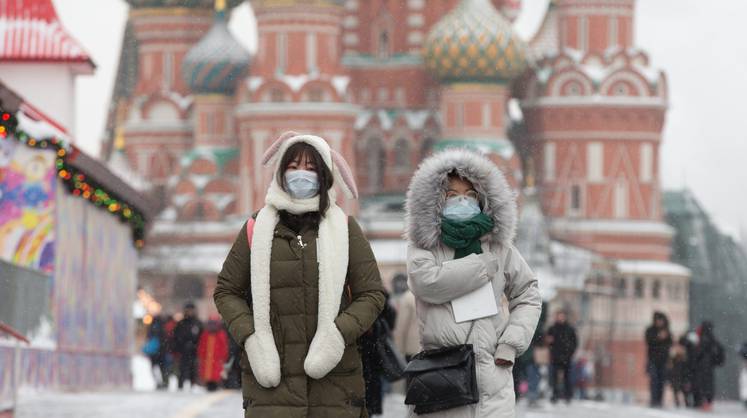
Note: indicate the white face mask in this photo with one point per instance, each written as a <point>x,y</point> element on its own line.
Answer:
<point>301,184</point>
<point>461,208</point>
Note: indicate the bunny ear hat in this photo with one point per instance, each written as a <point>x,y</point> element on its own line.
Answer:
<point>341,172</point>
<point>327,346</point>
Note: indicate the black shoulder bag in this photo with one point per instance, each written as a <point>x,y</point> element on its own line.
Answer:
<point>442,378</point>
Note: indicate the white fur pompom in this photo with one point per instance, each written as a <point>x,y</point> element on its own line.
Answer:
<point>325,352</point>
<point>263,358</point>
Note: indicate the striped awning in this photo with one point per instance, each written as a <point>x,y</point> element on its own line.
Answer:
<point>31,31</point>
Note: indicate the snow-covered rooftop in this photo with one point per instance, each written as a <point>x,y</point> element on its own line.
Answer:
<point>652,267</point>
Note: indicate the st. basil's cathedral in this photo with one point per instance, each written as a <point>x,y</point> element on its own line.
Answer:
<point>573,116</point>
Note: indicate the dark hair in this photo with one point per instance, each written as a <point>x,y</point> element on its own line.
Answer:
<point>297,151</point>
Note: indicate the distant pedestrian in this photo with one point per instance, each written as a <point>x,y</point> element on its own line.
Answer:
<point>212,351</point>
<point>155,349</point>
<point>170,355</point>
<point>678,370</point>
<point>186,336</point>
<point>689,342</point>
<point>533,372</point>
<point>743,374</point>
<point>709,354</point>
<point>372,373</point>
<point>561,337</point>
<point>406,328</point>
<point>581,375</point>
<point>658,341</point>
<point>232,367</point>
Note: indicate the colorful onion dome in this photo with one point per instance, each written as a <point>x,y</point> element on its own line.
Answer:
<point>286,3</point>
<point>217,61</point>
<point>474,43</point>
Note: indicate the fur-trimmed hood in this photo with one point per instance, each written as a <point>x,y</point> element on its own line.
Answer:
<point>427,194</point>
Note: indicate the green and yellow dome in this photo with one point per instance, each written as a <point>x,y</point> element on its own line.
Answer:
<point>474,43</point>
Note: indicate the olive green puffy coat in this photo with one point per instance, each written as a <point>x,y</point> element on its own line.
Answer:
<point>293,310</point>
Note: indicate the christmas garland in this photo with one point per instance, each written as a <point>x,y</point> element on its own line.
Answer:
<point>75,181</point>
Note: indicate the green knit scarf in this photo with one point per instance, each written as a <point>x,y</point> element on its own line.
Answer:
<point>464,236</point>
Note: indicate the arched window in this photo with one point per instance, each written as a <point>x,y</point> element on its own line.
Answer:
<point>402,155</point>
<point>656,289</point>
<point>375,163</point>
<point>384,44</point>
<point>638,288</point>
<point>383,29</point>
<point>622,287</point>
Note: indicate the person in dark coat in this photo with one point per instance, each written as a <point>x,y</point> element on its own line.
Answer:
<point>678,373</point>
<point>186,336</point>
<point>709,354</point>
<point>561,337</point>
<point>658,341</point>
<point>531,368</point>
<point>371,361</point>
<point>689,341</point>
<point>156,351</point>
<point>299,287</point>
<point>232,367</point>
<point>743,374</point>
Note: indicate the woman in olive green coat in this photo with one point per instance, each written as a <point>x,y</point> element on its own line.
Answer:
<point>298,288</point>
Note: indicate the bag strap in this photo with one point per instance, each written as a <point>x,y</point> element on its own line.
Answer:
<point>471,327</point>
<point>250,230</point>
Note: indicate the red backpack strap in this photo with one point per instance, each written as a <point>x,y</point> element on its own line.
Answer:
<point>250,230</point>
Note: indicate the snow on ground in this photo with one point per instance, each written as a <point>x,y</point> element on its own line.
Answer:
<point>227,404</point>
<point>143,401</point>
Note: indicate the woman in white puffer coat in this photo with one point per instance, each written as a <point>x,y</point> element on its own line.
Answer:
<point>461,222</point>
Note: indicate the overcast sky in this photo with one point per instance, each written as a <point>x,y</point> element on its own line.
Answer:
<point>699,44</point>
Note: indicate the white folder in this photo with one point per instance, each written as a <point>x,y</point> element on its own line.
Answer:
<point>477,304</point>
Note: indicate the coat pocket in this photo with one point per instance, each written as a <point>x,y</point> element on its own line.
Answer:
<point>350,362</point>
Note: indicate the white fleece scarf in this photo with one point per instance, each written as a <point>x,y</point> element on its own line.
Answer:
<point>327,345</point>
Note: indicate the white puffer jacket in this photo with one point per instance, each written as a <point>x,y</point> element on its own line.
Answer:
<point>436,278</point>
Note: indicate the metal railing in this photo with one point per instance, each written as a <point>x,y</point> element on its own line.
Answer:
<point>15,376</point>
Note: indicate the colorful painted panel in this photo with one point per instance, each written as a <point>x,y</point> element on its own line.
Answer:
<point>27,192</point>
<point>95,279</point>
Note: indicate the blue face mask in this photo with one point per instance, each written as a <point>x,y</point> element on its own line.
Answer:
<point>301,184</point>
<point>461,208</point>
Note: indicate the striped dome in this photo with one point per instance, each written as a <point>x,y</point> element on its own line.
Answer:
<point>216,62</point>
<point>474,43</point>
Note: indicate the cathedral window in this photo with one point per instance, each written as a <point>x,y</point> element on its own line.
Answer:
<point>583,33</point>
<point>613,32</point>
<point>595,161</point>
<point>402,155</point>
<point>282,52</point>
<point>375,164</point>
<point>384,44</point>
<point>549,161</point>
<point>575,200</point>
<point>168,70</point>
<point>656,289</point>
<point>647,162</point>
<point>621,199</point>
<point>622,287</point>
